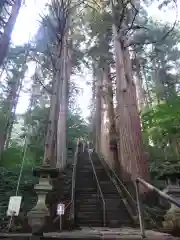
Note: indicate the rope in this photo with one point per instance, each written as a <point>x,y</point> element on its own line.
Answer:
<point>22,165</point>
<point>27,130</point>
<point>19,178</point>
<point>24,150</point>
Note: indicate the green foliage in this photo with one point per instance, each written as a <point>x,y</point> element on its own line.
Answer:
<point>159,58</point>
<point>77,128</point>
<point>162,121</point>
<point>8,185</point>
<point>12,157</point>
<point>38,121</point>
<point>161,126</point>
<point>100,36</point>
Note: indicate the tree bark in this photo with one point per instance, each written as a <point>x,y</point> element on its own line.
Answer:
<point>49,149</point>
<point>63,111</point>
<point>98,111</point>
<point>111,147</point>
<point>13,110</point>
<point>55,146</point>
<point>6,36</point>
<point>10,105</point>
<point>93,111</point>
<point>132,158</point>
<point>139,85</point>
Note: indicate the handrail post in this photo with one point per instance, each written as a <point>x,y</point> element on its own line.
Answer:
<point>140,210</point>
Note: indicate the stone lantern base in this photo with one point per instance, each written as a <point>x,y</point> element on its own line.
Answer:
<point>171,221</point>
<point>38,215</point>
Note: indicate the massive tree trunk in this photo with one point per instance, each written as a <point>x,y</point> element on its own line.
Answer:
<point>56,139</point>
<point>6,35</point>
<point>108,129</point>
<point>132,158</point>
<point>63,100</point>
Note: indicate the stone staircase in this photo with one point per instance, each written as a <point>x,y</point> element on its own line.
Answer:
<point>88,206</point>
<point>88,200</point>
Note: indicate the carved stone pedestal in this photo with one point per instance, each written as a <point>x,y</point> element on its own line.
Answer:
<point>38,215</point>
<point>172,217</point>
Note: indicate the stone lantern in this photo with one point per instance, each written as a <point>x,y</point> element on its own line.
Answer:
<point>172,217</point>
<point>37,217</point>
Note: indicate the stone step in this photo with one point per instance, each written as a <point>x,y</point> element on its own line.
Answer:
<point>89,208</point>
<point>86,175</point>
<point>83,186</point>
<point>87,183</point>
<point>89,189</point>
<point>82,219</point>
<point>86,196</point>
<point>92,232</point>
<point>85,167</point>
<point>89,223</point>
<point>80,196</point>
<point>88,205</point>
<point>111,193</point>
<point>89,215</point>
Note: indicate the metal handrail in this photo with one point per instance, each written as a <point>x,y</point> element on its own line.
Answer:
<point>74,181</point>
<point>99,188</point>
<point>106,164</point>
<point>134,218</point>
<point>139,203</point>
<point>120,182</point>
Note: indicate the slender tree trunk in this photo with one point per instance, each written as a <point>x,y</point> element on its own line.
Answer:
<point>159,87</point>
<point>9,112</point>
<point>139,85</point>
<point>6,36</point>
<point>93,114</point>
<point>104,121</point>
<point>13,111</point>
<point>98,111</point>
<point>148,94</point>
